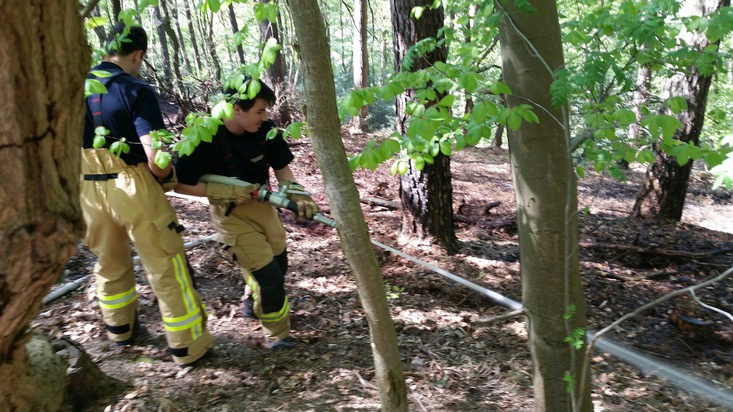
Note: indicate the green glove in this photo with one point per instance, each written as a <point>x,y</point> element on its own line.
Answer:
<point>307,207</point>
<point>221,194</point>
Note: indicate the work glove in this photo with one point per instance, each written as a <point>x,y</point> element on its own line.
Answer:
<point>169,182</point>
<point>307,207</point>
<point>221,194</point>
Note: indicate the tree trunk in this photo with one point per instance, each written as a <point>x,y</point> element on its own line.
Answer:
<point>427,195</point>
<point>164,54</point>
<point>99,30</point>
<point>192,33</point>
<point>181,40</point>
<point>361,58</point>
<point>235,30</point>
<point>209,35</point>
<point>116,8</point>
<point>182,99</point>
<point>546,196</point>
<point>275,75</point>
<point>41,120</point>
<point>663,193</point>
<point>325,129</point>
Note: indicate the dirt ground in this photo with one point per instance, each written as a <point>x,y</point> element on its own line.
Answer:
<point>454,359</point>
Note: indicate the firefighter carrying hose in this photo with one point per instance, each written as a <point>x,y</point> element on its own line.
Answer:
<point>123,199</point>
<point>252,232</point>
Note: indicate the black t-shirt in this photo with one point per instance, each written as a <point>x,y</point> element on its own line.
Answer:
<point>247,157</point>
<point>130,109</point>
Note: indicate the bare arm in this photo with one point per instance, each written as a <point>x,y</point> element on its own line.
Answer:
<point>147,142</point>
<point>284,175</point>
<point>199,189</point>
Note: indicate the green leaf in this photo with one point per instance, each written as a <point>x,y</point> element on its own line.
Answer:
<point>447,101</point>
<point>580,171</point>
<point>99,142</point>
<point>253,89</point>
<point>446,148</point>
<point>499,88</point>
<point>162,159</point>
<point>676,104</point>
<point>222,110</point>
<point>389,147</point>
<point>515,120</point>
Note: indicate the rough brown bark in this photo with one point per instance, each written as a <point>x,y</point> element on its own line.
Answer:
<point>663,193</point>
<point>325,129</point>
<point>41,114</point>
<point>546,194</point>
<point>182,100</point>
<point>427,195</point>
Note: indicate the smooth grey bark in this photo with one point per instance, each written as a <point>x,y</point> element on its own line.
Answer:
<point>361,57</point>
<point>546,196</point>
<point>325,128</point>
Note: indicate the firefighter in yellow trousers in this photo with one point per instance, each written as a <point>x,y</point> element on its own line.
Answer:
<point>252,232</point>
<point>123,199</point>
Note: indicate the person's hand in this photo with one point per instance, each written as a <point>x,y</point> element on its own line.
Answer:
<point>221,194</point>
<point>307,207</point>
<point>168,183</point>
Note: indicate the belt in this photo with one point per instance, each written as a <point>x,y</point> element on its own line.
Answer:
<point>101,176</point>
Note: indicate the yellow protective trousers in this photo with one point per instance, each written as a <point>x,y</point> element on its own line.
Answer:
<point>123,203</point>
<point>253,235</point>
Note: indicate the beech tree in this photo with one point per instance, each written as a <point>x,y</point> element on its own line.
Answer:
<point>45,61</point>
<point>325,129</point>
<point>546,195</point>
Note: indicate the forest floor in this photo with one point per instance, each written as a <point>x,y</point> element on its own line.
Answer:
<point>455,359</point>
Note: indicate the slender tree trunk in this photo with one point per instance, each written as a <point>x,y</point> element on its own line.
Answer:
<point>182,100</point>
<point>99,30</point>
<point>116,8</point>
<point>663,193</point>
<point>192,34</point>
<point>546,196</point>
<point>209,36</point>
<point>164,53</point>
<point>427,195</point>
<point>181,40</point>
<point>361,58</point>
<point>41,121</point>
<point>325,128</point>
<point>235,30</point>
<point>275,75</point>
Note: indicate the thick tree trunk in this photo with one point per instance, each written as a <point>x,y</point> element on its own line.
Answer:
<point>41,115</point>
<point>361,58</point>
<point>427,195</point>
<point>235,30</point>
<point>663,193</point>
<point>546,195</point>
<point>325,128</point>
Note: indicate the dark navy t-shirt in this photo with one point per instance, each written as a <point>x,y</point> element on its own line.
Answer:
<point>251,156</point>
<point>130,109</point>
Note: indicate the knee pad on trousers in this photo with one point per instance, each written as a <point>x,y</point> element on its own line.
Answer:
<point>282,261</point>
<point>272,286</point>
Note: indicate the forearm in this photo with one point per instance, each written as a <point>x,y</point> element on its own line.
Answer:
<point>164,173</point>
<point>199,189</point>
<point>284,175</point>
